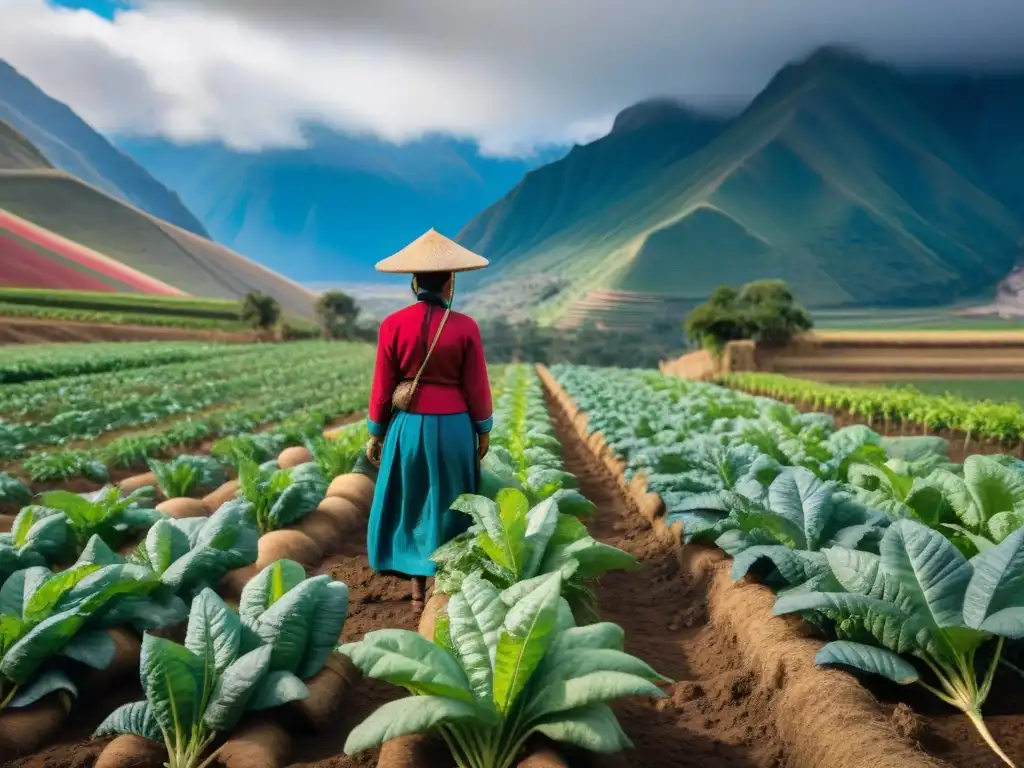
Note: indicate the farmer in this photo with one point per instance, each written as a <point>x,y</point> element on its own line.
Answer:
<point>429,415</point>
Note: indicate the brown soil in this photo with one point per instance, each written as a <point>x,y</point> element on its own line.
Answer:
<point>375,602</point>
<point>716,714</point>
<point>73,748</point>
<point>948,734</point>
<point>15,330</point>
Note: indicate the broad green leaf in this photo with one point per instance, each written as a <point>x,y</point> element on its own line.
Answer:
<point>868,658</point>
<point>795,566</point>
<point>890,626</point>
<point>572,502</point>
<point>593,728</point>
<point>329,615</point>
<point>596,558</point>
<point>164,544</point>
<point>995,594</point>
<point>475,615</point>
<point>97,552</point>
<point>45,684</point>
<point>235,687</point>
<point>268,586</point>
<point>587,690</point>
<point>173,678</point>
<point>277,689</point>
<point>214,631</point>
<point>602,635</point>
<point>524,639</point>
<point>37,645</point>
<point>413,714</point>
<point>541,523</point>
<point>805,501</point>
<point>928,568</point>
<point>509,548</point>
<point>286,625</point>
<point>95,649</point>
<point>405,658</point>
<point>45,598</point>
<point>136,718</point>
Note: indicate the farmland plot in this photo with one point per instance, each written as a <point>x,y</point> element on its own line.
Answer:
<point>75,415</point>
<point>856,533</point>
<point>562,612</point>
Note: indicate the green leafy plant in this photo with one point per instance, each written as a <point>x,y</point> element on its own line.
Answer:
<point>779,535</point>
<point>341,453</point>
<point>920,597</point>
<point>503,665</point>
<point>299,618</point>
<point>186,556</point>
<point>60,465</point>
<point>511,542</point>
<point>105,513</point>
<point>184,474</point>
<point>202,688</point>
<point>38,536</point>
<point>233,451</point>
<point>44,615</point>
<point>280,497</point>
<point>13,491</point>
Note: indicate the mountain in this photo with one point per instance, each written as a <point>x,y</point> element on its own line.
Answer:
<point>329,211</point>
<point>70,144</point>
<point>857,184</point>
<point>57,231</point>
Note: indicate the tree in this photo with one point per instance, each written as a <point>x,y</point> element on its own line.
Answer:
<point>336,312</point>
<point>763,310</point>
<point>260,310</point>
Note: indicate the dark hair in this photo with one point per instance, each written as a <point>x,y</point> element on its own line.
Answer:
<point>434,282</point>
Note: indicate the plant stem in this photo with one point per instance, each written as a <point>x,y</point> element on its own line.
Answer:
<point>979,724</point>
<point>8,698</point>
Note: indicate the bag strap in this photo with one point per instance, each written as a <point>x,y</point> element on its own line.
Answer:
<point>430,350</point>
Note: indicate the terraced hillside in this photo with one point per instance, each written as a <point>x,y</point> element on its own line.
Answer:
<point>57,231</point>
<point>839,178</point>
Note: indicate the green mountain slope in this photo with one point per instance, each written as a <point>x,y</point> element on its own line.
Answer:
<point>834,179</point>
<point>18,153</point>
<point>64,205</point>
<point>72,145</point>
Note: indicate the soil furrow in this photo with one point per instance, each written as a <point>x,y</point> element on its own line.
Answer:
<point>375,601</point>
<point>716,715</point>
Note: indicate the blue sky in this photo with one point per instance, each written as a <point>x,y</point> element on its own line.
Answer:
<point>104,8</point>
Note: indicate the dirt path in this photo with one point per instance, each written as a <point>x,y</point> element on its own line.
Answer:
<point>716,716</point>
<point>374,602</point>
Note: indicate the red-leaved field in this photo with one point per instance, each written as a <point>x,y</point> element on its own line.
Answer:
<point>64,263</point>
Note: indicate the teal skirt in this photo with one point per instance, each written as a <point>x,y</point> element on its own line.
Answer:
<point>426,464</point>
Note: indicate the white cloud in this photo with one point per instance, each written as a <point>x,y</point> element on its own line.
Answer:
<point>507,74</point>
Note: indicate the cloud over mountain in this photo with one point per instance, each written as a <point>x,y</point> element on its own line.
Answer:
<point>509,75</point>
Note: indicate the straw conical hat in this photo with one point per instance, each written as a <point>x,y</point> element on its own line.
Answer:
<point>432,252</point>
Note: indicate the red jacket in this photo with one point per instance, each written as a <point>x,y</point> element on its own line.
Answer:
<point>455,380</point>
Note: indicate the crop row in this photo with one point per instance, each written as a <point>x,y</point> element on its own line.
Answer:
<point>8,309</point>
<point>504,660</point>
<point>48,361</point>
<point>241,378</point>
<point>44,399</point>
<point>908,561</point>
<point>515,649</point>
<point>902,407</point>
<point>296,413</point>
<point>122,567</point>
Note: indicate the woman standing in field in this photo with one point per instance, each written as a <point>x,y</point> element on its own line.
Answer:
<point>429,416</point>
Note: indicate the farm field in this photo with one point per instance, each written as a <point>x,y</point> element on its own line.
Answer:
<point>136,309</point>
<point>969,389</point>
<point>82,410</point>
<point>632,538</point>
